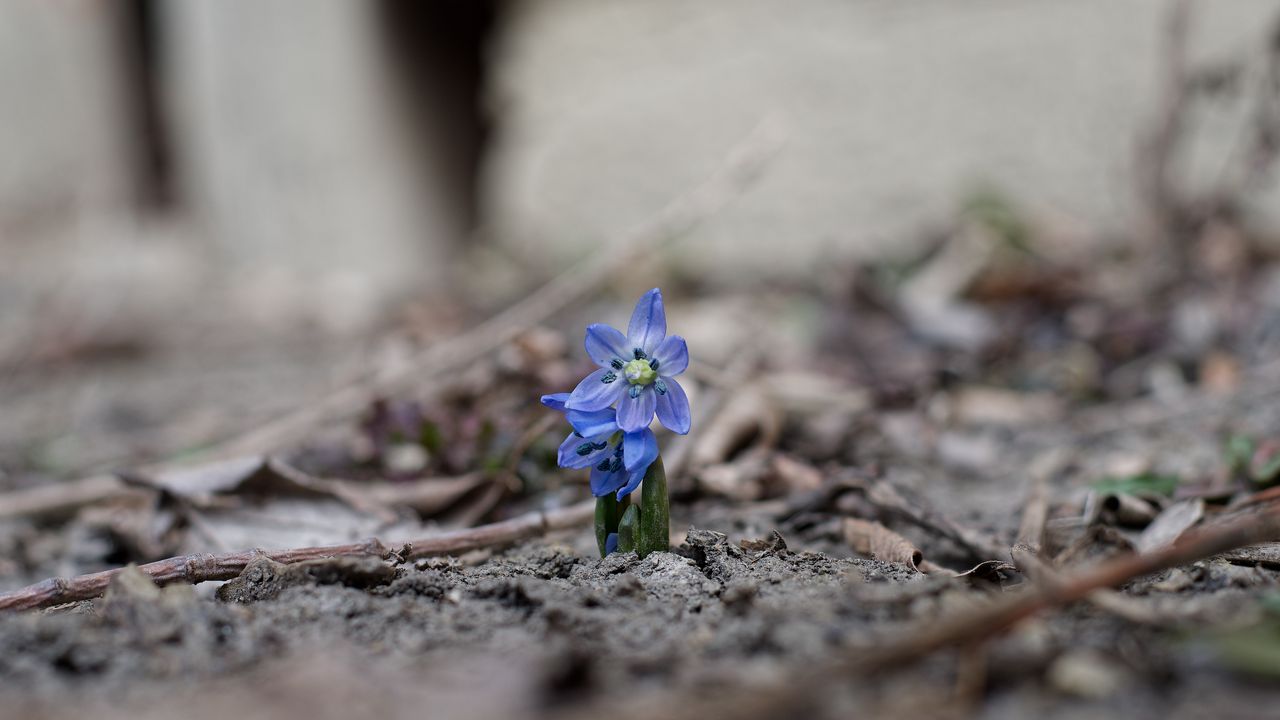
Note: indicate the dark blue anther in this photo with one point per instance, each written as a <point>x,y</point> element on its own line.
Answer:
<point>586,449</point>
<point>660,386</point>
<point>634,392</point>
<point>605,465</point>
<point>653,364</point>
<point>616,363</point>
<point>616,465</point>
<point>639,353</point>
<point>603,444</point>
<point>608,377</point>
<point>577,434</point>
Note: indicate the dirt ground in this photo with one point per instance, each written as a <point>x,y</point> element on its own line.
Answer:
<point>896,475</point>
<point>547,629</point>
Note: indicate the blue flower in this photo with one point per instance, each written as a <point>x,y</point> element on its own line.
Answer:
<point>637,371</point>
<point>618,460</point>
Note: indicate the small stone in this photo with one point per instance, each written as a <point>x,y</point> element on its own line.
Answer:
<point>1087,674</point>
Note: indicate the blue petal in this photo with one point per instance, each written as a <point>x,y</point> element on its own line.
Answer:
<point>672,356</point>
<point>595,394</point>
<point>604,482</point>
<point>568,457</point>
<point>648,322</point>
<point>633,482</point>
<point>635,413</point>
<point>611,544</point>
<point>555,401</point>
<point>673,406</point>
<point>597,422</point>
<point>606,344</point>
<point>639,449</point>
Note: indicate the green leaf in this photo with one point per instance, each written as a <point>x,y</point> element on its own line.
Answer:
<point>431,438</point>
<point>655,512</point>
<point>1238,453</point>
<point>1271,604</point>
<point>1264,466</point>
<point>1142,484</point>
<point>606,519</point>
<point>628,528</point>
<point>1254,650</point>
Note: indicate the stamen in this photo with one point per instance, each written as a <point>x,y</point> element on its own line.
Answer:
<point>616,466</point>
<point>639,353</point>
<point>634,391</point>
<point>605,465</point>
<point>660,386</point>
<point>602,445</point>
<point>653,364</point>
<point>608,377</point>
<point>586,449</point>
<point>616,363</point>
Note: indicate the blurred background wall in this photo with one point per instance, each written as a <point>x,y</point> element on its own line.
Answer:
<point>326,148</point>
<point>246,168</point>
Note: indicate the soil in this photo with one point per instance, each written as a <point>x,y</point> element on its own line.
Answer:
<point>762,600</point>
<point>549,630</point>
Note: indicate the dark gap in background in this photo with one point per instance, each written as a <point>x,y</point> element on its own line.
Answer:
<point>152,162</point>
<point>438,53</point>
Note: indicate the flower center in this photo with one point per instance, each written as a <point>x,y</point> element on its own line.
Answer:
<point>639,372</point>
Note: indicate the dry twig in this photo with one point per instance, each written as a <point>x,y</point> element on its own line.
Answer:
<point>204,567</point>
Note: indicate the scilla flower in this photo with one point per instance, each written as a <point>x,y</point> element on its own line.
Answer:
<point>637,371</point>
<point>618,460</point>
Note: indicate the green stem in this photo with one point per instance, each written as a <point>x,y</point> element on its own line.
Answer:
<point>627,529</point>
<point>609,513</point>
<point>654,533</point>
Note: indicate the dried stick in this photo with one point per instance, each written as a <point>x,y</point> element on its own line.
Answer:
<point>1028,546</point>
<point>710,404</point>
<point>679,217</point>
<point>1035,511</point>
<point>887,499</point>
<point>985,623</point>
<point>62,500</point>
<point>203,567</point>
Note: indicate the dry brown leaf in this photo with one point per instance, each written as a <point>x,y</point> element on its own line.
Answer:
<point>1170,524</point>
<point>427,497</point>
<point>881,543</point>
<point>748,419</point>
<point>791,475</point>
<point>741,479</point>
<point>976,405</point>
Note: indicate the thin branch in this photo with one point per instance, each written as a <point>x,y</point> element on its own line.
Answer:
<point>1001,615</point>
<point>58,501</point>
<point>204,567</point>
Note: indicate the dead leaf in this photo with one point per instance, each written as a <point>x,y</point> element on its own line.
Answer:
<point>742,479</point>
<point>773,543</point>
<point>975,405</point>
<point>789,475</point>
<point>1169,526</point>
<point>1267,555</point>
<point>877,541</point>
<point>252,475</point>
<point>749,419</point>
<point>427,497</point>
<point>931,299</point>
